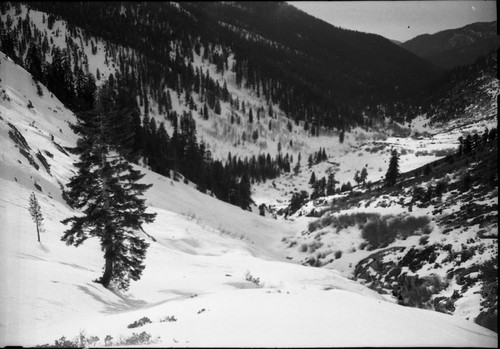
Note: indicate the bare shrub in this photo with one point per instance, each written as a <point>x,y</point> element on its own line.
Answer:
<point>140,322</point>
<point>381,231</point>
<point>252,279</point>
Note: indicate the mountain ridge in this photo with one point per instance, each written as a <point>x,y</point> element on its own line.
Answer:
<point>452,47</point>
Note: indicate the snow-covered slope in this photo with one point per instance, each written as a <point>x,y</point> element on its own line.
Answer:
<point>220,135</point>
<point>219,270</point>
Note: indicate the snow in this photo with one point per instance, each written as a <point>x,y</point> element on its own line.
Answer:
<point>196,269</point>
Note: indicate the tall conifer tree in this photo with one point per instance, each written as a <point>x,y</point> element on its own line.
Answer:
<point>393,170</point>
<point>107,192</point>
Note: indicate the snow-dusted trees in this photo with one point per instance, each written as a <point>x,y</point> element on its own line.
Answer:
<point>36,214</point>
<point>107,191</point>
<point>319,188</point>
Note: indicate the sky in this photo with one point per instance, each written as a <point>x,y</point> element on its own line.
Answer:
<point>400,20</point>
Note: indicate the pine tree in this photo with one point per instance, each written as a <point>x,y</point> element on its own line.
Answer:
<point>363,175</point>
<point>341,136</point>
<point>312,180</point>
<point>105,188</point>
<point>217,108</point>
<point>255,135</point>
<point>205,112</point>
<point>310,161</point>
<point>330,184</point>
<point>467,145</point>
<point>36,214</point>
<point>245,192</point>
<point>33,61</point>
<point>296,168</point>
<point>319,188</point>
<point>393,170</point>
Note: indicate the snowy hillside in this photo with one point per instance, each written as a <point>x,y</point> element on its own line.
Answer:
<point>218,132</point>
<point>215,275</point>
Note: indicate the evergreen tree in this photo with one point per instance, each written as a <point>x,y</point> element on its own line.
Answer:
<point>310,161</point>
<point>205,112</point>
<point>393,170</point>
<point>33,61</point>
<point>460,146</point>
<point>363,175</point>
<point>255,135</point>
<point>341,136</point>
<point>36,214</point>
<point>107,191</point>
<point>467,145</point>
<point>330,184</point>
<point>319,188</point>
<point>312,180</point>
<point>217,108</point>
<point>245,192</point>
<point>297,166</point>
<point>297,201</point>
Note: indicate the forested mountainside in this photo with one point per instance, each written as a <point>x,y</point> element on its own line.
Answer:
<point>213,90</point>
<point>314,72</point>
<point>454,47</point>
<point>172,69</point>
<point>452,96</point>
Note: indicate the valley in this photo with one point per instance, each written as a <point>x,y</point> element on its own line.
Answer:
<point>351,262</point>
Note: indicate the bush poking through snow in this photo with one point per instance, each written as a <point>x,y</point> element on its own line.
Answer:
<point>80,341</point>
<point>140,322</point>
<point>168,318</point>
<point>252,279</point>
<point>383,230</point>
<point>423,240</point>
<point>142,338</point>
<point>61,343</point>
<point>377,230</point>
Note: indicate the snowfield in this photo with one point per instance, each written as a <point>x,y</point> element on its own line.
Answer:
<point>220,271</point>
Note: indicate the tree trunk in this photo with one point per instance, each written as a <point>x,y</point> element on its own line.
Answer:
<point>38,231</point>
<point>108,269</point>
<point>108,235</point>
